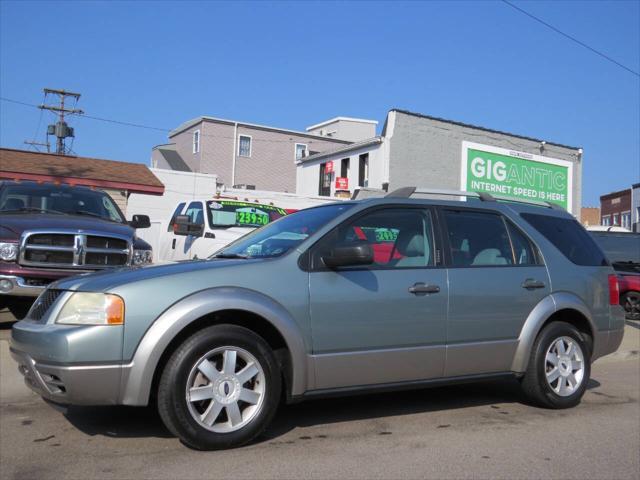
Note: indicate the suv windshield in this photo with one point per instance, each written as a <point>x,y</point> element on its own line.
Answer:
<point>279,237</point>
<point>58,199</point>
<point>230,213</point>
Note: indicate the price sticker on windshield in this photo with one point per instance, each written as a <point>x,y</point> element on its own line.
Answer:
<point>386,235</point>
<point>251,218</point>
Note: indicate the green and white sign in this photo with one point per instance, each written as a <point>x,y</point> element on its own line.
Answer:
<point>518,175</point>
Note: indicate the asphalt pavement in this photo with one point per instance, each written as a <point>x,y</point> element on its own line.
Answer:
<point>483,430</point>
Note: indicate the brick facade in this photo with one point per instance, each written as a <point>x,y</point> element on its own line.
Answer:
<point>615,209</point>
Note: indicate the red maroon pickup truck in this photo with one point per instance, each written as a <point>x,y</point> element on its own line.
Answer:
<point>50,231</point>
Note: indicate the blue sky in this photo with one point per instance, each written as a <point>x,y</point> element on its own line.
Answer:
<point>293,64</point>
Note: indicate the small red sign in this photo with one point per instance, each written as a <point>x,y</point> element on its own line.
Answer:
<point>342,183</point>
<point>328,167</point>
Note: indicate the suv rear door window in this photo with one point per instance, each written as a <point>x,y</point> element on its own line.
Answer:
<point>477,239</point>
<point>568,236</point>
<point>523,249</point>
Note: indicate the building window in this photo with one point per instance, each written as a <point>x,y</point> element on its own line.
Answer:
<point>324,187</point>
<point>626,220</point>
<point>344,168</point>
<point>244,146</point>
<point>606,220</point>
<point>196,141</point>
<point>363,170</point>
<point>301,151</point>
<point>616,219</point>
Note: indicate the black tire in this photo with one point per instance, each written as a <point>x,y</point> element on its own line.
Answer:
<point>174,408</point>
<point>534,382</point>
<point>19,307</point>
<point>631,303</point>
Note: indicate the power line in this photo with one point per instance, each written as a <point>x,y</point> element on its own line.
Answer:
<point>159,129</point>
<point>573,39</point>
<point>128,124</point>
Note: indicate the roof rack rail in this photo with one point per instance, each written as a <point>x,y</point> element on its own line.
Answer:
<point>407,192</point>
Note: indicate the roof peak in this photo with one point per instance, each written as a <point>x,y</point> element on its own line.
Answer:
<point>344,119</point>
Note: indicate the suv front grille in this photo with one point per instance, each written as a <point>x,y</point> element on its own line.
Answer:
<point>74,250</point>
<point>43,304</point>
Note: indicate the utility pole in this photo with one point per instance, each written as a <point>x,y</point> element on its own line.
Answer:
<point>35,144</point>
<point>60,129</point>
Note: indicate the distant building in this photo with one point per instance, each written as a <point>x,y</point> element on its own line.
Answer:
<point>615,209</point>
<point>118,179</point>
<point>250,155</point>
<point>419,150</point>
<point>590,216</point>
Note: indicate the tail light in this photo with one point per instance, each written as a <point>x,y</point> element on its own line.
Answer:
<point>614,290</point>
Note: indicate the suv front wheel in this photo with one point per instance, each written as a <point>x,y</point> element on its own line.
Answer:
<point>559,367</point>
<point>220,388</point>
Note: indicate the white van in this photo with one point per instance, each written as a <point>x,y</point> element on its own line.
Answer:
<point>199,228</point>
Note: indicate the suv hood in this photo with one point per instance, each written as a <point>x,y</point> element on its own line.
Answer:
<point>14,224</point>
<point>107,280</point>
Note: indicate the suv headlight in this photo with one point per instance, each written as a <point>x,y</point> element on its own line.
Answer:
<point>92,309</point>
<point>142,257</point>
<point>8,251</point>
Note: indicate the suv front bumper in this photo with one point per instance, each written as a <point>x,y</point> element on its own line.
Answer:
<point>70,385</point>
<point>70,364</point>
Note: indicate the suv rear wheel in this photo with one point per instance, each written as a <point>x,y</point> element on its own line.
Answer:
<point>220,388</point>
<point>559,367</point>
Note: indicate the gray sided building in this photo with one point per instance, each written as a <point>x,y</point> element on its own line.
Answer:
<point>425,151</point>
<point>635,206</point>
<point>255,156</point>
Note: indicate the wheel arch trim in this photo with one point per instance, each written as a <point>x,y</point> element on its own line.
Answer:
<point>137,376</point>
<point>537,318</point>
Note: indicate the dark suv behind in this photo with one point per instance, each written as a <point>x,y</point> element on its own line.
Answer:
<point>50,231</point>
<point>623,251</point>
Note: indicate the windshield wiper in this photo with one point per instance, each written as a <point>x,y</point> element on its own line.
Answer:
<point>33,209</point>
<point>230,255</point>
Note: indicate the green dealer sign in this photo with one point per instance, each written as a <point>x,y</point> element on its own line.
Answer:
<point>518,175</point>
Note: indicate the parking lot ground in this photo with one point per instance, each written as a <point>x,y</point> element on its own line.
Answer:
<point>482,430</point>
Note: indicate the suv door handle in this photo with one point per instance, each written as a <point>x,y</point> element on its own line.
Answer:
<point>530,284</point>
<point>423,289</point>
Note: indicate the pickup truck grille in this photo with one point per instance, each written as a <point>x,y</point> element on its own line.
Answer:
<point>86,251</point>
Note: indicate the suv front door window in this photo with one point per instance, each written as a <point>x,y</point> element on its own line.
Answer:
<point>367,318</point>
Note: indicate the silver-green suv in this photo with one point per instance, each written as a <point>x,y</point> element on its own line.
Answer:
<point>382,293</point>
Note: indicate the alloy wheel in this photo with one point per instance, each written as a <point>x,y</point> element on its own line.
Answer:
<point>564,366</point>
<point>225,389</point>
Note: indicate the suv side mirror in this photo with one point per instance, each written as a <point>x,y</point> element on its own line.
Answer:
<point>182,225</point>
<point>349,255</point>
<point>140,221</point>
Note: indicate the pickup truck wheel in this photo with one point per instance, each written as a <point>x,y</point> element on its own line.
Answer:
<point>559,367</point>
<point>631,303</point>
<point>220,388</point>
<point>19,307</point>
